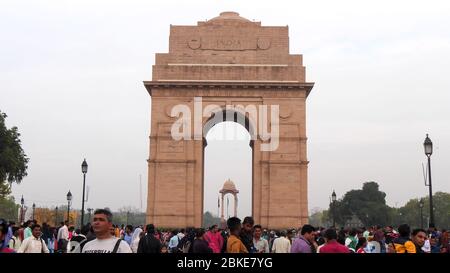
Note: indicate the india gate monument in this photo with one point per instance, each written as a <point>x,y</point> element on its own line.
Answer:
<point>228,69</point>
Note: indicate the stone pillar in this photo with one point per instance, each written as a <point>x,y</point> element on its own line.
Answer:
<point>235,204</point>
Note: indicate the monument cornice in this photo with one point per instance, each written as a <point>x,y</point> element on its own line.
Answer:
<point>285,85</point>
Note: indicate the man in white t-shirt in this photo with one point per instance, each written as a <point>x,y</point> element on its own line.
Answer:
<point>281,244</point>
<point>105,242</point>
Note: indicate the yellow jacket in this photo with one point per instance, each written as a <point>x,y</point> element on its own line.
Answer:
<point>235,245</point>
<point>404,245</point>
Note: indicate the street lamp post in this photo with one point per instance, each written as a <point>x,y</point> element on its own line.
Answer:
<point>22,202</point>
<point>421,212</point>
<point>428,147</point>
<point>84,168</point>
<point>56,216</point>
<point>333,202</point>
<point>90,211</point>
<point>69,201</point>
<point>34,207</point>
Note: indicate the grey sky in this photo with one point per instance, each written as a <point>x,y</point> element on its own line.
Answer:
<point>71,77</point>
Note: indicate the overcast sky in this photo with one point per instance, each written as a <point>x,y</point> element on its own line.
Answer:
<point>71,77</point>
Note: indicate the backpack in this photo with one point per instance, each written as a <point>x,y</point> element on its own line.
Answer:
<point>183,245</point>
<point>116,247</point>
<point>186,247</point>
<point>14,244</point>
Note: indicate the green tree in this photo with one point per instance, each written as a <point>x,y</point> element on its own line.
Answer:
<point>319,218</point>
<point>368,204</point>
<point>128,215</point>
<point>410,212</point>
<point>209,220</point>
<point>13,161</point>
<point>9,209</point>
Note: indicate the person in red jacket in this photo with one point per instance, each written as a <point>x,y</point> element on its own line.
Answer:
<point>331,245</point>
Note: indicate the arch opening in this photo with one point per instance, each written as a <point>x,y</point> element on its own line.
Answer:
<point>228,154</point>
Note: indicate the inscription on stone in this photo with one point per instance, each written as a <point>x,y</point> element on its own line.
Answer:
<point>228,43</point>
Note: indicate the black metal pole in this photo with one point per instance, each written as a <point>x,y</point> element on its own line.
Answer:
<point>334,215</point>
<point>82,203</point>
<point>68,212</point>
<point>56,216</point>
<point>421,217</point>
<point>431,223</point>
<point>21,215</point>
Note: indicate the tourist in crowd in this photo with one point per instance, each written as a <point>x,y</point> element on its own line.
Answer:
<point>261,245</point>
<point>127,236</point>
<point>63,237</point>
<point>403,243</point>
<point>105,242</point>
<point>27,231</point>
<point>332,245</point>
<point>246,234</point>
<point>419,236</point>
<point>281,244</point>
<point>164,249</point>
<point>234,243</point>
<point>34,244</point>
<point>78,241</point>
<point>362,244</point>
<point>138,233</point>
<point>214,239</point>
<point>200,245</point>
<point>3,233</point>
<point>15,242</point>
<point>149,243</point>
<point>174,241</point>
<point>305,243</point>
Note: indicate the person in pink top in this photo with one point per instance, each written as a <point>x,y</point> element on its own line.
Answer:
<point>3,232</point>
<point>214,239</point>
<point>331,245</point>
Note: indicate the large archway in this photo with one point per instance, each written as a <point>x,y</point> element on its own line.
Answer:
<point>226,63</point>
<point>228,155</point>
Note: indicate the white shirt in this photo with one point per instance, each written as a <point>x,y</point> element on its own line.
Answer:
<point>281,245</point>
<point>135,245</point>
<point>106,246</point>
<point>426,246</point>
<point>261,244</point>
<point>15,243</point>
<point>63,233</point>
<point>33,245</point>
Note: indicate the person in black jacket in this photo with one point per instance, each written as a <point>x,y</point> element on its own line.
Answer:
<point>200,245</point>
<point>148,243</point>
<point>246,234</point>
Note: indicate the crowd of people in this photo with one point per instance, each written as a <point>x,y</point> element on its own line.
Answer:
<point>239,237</point>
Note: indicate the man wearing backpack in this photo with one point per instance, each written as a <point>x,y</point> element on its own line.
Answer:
<point>105,242</point>
<point>149,243</point>
<point>173,242</point>
<point>403,244</point>
<point>34,243</point>
<point>185,244</point>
